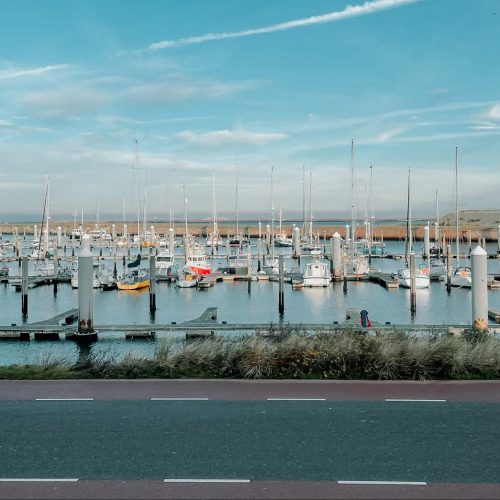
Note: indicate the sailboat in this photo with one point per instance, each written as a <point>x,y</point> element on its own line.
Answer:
<point>135,279</point>
<point>310,244</point>
<point>196,259</point>
<point>282,239</point>
<point>437,268</point>
<point>356,263</point>
<point>237,239</point>
<point>271,262</point>
<point>214,239</point>
<point>462,275</point>
<point>422,279</point>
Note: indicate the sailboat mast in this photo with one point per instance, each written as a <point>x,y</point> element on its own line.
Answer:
<point>372,215</point>
<point>47,215</point>
<point>456,206</point>
<point>170,198</point>
<point>136,172</point>
<point>353,216</point>
<point>410,239</point>
<point>272,212</point>
<point>310,209</point>
<point>237,213</point>
<point>214,205</point>
<point>304,199</point>
<point>185,213</point>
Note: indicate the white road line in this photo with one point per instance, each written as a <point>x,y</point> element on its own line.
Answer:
<point>64,399</point>
<point>206,480</point>
<point>35,480</point>
<point>417,400</point>
<point>404,483</point>
<point>296,399</point>
<point>179,399</point>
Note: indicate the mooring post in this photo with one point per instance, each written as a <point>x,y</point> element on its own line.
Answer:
<point>498,240</point>
<point>171,240</point>
<point>469,239</point>
<point>152,283</point>
<point>479,286</point>
<point>268,238</point>
<point>484,244</point>
<point>427,243</point>
<point>249,263</point>
<point>296,243</point>
<point>54,279</point>
<point>347,236</point>
<point>336,256</point>
<point>281,305</point>
<point>344,270</point>
<point>35,232</point>
<point>436,234</point>
<point>24,286</point>
<point>115,272</point>
<point>448,268</point>
<point>413,283</point>
<point>85,297</point>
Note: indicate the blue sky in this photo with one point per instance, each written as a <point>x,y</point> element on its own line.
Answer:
<point>205,85</point>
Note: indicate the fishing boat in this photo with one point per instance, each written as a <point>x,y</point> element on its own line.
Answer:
<point>186,278</point>
<point>164,263</point>
<point>196,258</point>
<point>316,274</point>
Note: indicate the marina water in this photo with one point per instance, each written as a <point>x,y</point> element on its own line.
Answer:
<point>237,302</point>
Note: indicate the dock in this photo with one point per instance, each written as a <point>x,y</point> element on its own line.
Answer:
<point>389,281</point>
<point>494,315</point>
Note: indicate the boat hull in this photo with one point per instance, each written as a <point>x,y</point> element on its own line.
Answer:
<point>132,286</point>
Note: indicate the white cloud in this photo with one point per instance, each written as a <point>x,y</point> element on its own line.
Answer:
<point>19,72</point>
<point>63,103</point>
<point>183,90</point>
<point>493,113</point>
<point>389,134</point>
<point>226,137</point>
<point>349,11</point>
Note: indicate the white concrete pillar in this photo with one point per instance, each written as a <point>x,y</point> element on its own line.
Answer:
<point>296,242</point>
<point>85,295</point>
<point>171,239</point>
<point>479,275</point>
<point>35,232</point>
<point>427,244</point>
<point>59,237</point>
<point>336,255</point>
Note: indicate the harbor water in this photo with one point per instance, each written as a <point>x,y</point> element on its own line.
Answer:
<point>237,302</point>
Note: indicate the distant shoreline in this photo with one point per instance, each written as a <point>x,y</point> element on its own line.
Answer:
<point>395,231</point>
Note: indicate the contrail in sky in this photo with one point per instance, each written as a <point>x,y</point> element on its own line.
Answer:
<point>350,11</point>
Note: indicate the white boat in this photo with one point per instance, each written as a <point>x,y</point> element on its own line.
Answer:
<point>317,273</point>
<point>164,263</point>
<point>271,265</point>
<point>186,278</point>
<point>437,269</point>
<point>236,265</point>
<point>214,239</point>
<point>74,280</point>
<point>105,277</point>
<point>462,277</point>
<point>422,279</point>
<point>281,239</point>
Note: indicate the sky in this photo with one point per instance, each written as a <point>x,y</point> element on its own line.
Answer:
<point>127,105</point>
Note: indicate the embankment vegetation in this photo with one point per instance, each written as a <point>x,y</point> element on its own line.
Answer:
<point>290,354</point>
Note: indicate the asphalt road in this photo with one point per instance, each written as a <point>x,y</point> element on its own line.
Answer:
<point>191,439</point>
